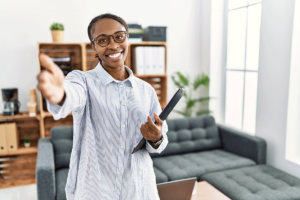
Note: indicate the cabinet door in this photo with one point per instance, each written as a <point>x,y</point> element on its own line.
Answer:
<point>12,137</point>
<point>3,146</point>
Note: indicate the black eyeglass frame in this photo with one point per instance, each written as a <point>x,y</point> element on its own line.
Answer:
<point>126,34</point>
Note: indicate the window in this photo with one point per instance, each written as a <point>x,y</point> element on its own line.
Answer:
<point>242,56</point>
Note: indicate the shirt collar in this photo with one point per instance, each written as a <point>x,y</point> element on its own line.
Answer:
<point>106,78</point>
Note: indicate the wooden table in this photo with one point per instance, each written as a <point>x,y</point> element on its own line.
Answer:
<point>205,191</point>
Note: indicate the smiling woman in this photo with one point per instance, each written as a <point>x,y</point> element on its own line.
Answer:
<point>112,111</point>
<point>111,52</point>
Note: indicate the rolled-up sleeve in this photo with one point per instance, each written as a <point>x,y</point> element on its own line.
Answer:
<point>76,92</point>
<point>156,108</point>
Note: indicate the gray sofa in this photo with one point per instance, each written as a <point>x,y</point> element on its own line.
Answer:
<point>230,160</point>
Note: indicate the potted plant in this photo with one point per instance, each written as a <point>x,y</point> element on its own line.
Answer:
<point>182,81</point>
<point>57,31</point>
<point>27,141</point>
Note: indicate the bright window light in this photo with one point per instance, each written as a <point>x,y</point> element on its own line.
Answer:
<point>236,39</point>
<point>253,1</point>
<point>253,31</point>
<point>232,4</point>
<point>250,102</point>
<point>234,98</point>
<point>242,62</point>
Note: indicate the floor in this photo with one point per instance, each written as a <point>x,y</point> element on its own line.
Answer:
<point>27,192</point>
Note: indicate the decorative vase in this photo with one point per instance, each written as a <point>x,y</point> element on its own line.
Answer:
<point>57,35</point>
<point>27,144</point>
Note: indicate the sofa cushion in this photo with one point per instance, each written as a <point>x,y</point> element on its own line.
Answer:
<point>61,176</point>
<point>62,140</point>
<point>191,135</point>
<point>197,164</point>
<point>160,176</point>
<point>258,182</point>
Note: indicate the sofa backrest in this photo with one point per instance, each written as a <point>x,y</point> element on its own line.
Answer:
<point>191,134</point>
<point>62,140</point>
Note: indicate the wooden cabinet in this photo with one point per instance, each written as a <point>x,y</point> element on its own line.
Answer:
<point>17,163</point>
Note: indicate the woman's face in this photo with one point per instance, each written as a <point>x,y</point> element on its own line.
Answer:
<point>114,54</point>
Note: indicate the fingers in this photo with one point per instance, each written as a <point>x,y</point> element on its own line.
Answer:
<point>150,121</point>
<point>47,63</point>
<point>158,121</point>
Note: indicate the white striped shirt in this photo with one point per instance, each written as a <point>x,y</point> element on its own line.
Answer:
<point>107,116</point>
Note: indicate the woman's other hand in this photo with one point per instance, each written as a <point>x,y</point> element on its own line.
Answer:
<point>50,81</point>
<point>152,131</point>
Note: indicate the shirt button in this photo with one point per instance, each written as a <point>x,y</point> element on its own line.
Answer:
<point>123,104</point>
<point>122,147</point>
<point>123,125</point>
<point>120,169</point>
<point>121,86</point>
<point>117,190</point>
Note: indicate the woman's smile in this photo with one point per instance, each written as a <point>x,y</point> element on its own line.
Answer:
<point>115,56</point>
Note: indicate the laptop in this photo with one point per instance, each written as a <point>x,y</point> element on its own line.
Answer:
<point>176,190</point>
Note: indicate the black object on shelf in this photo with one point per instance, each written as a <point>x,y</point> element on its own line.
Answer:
<point>155,33</point>
<point>64,64</point>
<point>134,26</point>
<point>135,31</point>
<point>10,101</point>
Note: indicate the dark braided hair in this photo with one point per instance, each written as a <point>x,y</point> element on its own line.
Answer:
<point>103,16</point>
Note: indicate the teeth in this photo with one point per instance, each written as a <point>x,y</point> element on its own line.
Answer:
<point>114,55</point>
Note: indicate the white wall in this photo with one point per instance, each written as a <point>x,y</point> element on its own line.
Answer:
<point>217,44</point>
<point>293,126</point>
<point>27,23</point>
<point>273,80</point>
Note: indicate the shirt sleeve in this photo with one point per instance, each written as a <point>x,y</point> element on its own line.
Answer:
<point>76,92</point>
<point>156,108</point>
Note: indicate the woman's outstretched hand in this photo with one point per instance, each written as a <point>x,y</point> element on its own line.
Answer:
<point>50,81</point>
<point>152,131</point>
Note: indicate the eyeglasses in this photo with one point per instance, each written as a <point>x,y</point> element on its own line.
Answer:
<point>104,40</point>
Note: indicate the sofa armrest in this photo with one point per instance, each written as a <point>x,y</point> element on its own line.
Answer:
<point>45,170</point>
<point>243,144</point>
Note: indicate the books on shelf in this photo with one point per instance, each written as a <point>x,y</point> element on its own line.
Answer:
<point>148,60</point>
<point>135,33</point>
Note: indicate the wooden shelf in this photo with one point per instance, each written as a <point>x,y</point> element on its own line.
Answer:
<point>17,170</point>
<point>24,115</point>
<point>21,150</point>
<point>17,182</point>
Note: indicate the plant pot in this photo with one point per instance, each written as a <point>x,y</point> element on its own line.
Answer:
<point>57,35</point>
<point>26,144</point>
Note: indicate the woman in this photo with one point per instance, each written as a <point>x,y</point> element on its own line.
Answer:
<point>112,111</point>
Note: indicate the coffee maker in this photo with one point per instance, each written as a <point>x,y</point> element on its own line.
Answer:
<point>10,101</point>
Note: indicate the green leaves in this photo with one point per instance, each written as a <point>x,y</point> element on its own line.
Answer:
<point>177,83</point>
<point>27,139</point>
<point>203,99</point>
<point>57,26</point>
<point>201,80</point>
<point>182,81</point>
